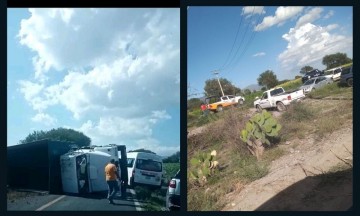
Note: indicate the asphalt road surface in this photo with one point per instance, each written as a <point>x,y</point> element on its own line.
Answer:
<point>93,202</point>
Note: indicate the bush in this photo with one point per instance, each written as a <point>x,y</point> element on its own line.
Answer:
<point>298,112</point>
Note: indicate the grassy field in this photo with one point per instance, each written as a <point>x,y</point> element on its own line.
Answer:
<point>237,167</point>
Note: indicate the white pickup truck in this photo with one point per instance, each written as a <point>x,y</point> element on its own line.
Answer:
<point>217,104</point>
<point>277,97</point>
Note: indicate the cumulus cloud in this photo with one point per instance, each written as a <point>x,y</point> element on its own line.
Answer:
<point>259,54</point>
<point>281,15</point>
<point>118,67</point>
<point>329,14</point>
<point>252,10</point>
<point>309,17</point>
<point>45,119</point>
<point>308,44</point>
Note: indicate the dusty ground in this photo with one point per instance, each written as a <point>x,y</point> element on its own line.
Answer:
<point>315,175</point>
<point>305,178</point>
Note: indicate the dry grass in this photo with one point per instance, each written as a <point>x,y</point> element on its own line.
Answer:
<point>237,166</point>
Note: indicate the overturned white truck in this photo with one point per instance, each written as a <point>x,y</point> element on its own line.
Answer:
<point>82,170</point>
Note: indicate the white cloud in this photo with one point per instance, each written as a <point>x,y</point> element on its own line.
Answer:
<point>157,115</point>
<point>141,57</point>
<point>259,54</point>
<point>156,147</point>
<point>329,14</point>
<point>134,133</point>
<point>251,10</point>
<point>118,67</point>
<point>313,14</point>
<point>30,89</point>
<point>45,119</point>
<point>281,15</point>
<point>308,44</point>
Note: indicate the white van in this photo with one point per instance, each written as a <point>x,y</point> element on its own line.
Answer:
<point>144,168</point>
<point>334,73</point>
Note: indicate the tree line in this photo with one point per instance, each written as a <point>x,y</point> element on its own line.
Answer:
<point>267,79</point>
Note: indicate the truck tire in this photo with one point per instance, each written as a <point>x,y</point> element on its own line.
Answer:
<point>280,106</point>
<point>258,108</point>
<point>240,102</point>
<point>350,82</point>
<point>219,109</point>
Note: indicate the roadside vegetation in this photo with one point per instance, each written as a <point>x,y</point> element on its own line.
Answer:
<point>154,198</point>
<point>333,90</point>
<point>236,165</point>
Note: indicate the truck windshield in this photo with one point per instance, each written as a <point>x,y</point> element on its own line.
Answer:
<point>149,165</point>
<point>276,91</point>
<point>130,162</point>
<point>309,82</point>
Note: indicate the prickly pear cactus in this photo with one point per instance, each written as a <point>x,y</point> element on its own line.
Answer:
<point>257,130</point>
<point>203,166</point>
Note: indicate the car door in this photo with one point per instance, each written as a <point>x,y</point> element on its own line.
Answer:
<point>321,81</point>
<point>265,102</point>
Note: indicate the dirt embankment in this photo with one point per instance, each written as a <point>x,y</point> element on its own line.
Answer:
<point>302,179</point>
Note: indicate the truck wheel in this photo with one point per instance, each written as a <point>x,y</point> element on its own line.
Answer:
<point>219,109</point>
<point>258,108</point>
<point>240,102</point>
<point>350,82</point>
<point>280,107</point>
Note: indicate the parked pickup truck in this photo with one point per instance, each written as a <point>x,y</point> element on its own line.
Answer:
<point>278,98</point>
<point>217,104</point>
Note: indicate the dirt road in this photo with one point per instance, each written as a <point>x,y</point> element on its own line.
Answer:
<point>301,180</point>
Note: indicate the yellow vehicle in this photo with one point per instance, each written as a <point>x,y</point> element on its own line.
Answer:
<point>217,104</point>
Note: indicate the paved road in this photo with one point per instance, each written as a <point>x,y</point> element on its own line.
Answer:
<point>93,202</point>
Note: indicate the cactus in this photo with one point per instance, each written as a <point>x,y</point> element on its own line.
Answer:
<point>257,131</point>
<point>203,166</point>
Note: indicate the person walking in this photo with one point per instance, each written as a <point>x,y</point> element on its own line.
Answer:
<point>203,109</point>
<point>112,174</point>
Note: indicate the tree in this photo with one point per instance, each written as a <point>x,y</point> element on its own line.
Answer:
<point>59,134</point>
<point>335,60</point>
<point>268,79</point>
<point>142,150</point>
<point>174,158</point>
<point>212,87</point>
<point>305,69</point>
<point>194,103</point>
<point>247,91</point>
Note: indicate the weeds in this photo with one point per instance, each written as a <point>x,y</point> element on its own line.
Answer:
<point>329,90</point>
<point>154,199</point>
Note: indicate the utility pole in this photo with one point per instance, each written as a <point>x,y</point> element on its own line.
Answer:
<point>216,73</point>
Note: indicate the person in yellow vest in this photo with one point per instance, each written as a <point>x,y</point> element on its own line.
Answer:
<point>112,175</point>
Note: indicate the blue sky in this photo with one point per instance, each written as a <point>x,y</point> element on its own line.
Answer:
<point>281,39</point>
<point>113,74</point>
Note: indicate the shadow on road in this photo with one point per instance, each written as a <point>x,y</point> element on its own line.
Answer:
<point>325,192</point>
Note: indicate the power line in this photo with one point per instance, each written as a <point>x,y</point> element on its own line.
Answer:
<point>232,47</point>
<point>247,28</point>
<point>251,38</point>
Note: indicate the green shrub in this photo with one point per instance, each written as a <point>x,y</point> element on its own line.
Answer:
<point>258,129</point>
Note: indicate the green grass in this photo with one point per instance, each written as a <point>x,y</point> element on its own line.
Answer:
<point>197,119</point>
<point>291,85</point>
<point>332,89</point>
<point>170,170</point>
<point>154,199</point>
